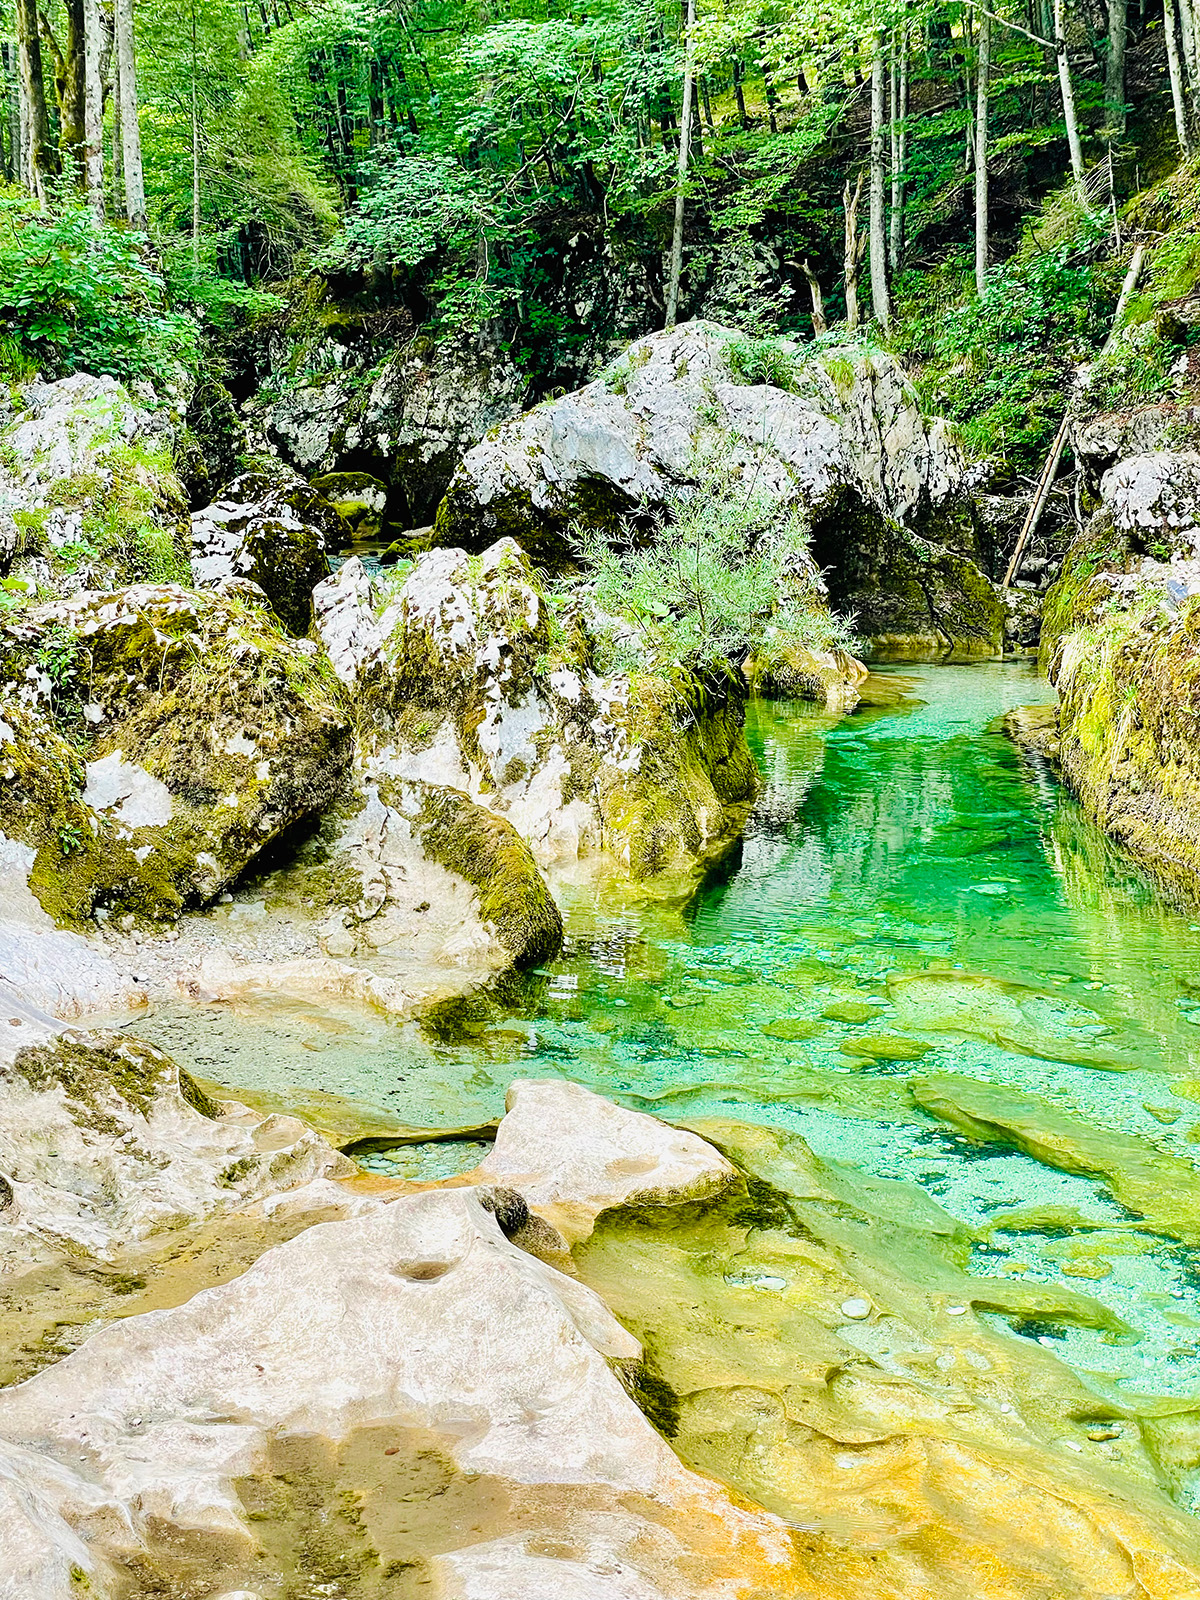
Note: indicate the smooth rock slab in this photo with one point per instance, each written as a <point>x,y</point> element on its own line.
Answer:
<point>573,1154</point>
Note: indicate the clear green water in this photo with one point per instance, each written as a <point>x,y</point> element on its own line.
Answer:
<point>899,840</point>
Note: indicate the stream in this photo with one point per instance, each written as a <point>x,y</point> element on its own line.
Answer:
<point>913,903</point>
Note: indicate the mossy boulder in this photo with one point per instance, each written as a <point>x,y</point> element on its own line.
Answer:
<point>786,669</point>
<point>274,529</point>
<point>468,677</point>
<point>89,493</point>
<point>357,496</point>
<point>199,732</point>
<point>1121,643</point>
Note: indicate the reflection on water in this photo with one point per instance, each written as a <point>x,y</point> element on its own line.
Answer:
<point>911,901</point>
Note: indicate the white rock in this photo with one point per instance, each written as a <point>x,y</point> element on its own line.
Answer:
<point>133,795</point>
<point>573,1154</point>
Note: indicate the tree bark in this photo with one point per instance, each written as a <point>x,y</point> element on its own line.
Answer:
<point>820,325</point>
<point>131,136</point>
<point>93,107</point>
<point>685,141</point>
<point>983,37</point>
<point>43,157</point>
<point>899,150</point>
<point>853,253</point>
<point>881,303</point>
<point>1070,117</point>
<point>1178,97</point>
<point>1114,74</point>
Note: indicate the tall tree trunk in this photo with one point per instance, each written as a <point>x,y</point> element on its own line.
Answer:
<point>131,134</point>
<point>983,37</point>
<point>1114,74</point>
<point>685,142</point>
<point>43,157</point>
<point>899,150</point>
<point>881,303</point>
<point>739,93</point>
<point>1070,117</point>
<point>72,91</point>
<point>93,106</point>
<point>1178,96</point>
<point>1191,57</point>
<point>853,252</point>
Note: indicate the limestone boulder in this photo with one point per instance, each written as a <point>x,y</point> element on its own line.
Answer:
<point>840,435</point>
<point>1101,441</point>
<point>1156,497</point>
<point>89,494</point>
<point>104,1141</point>
<point>264,1433</point>
<point>408,426</point>
<point>572,1155</point>
<point>470,679</point>
<point>274,529</point>
<point>206,733</point>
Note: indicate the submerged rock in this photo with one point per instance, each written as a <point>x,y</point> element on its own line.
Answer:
<point>887,494</point>
<point>470,680</point>
<point>209,733</point>
<point>265,1430</point>
<point>573,1155</point>
<point>275,530</point>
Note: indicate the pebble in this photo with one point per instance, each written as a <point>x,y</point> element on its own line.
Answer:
<point>1099,1434</point>
<point>856,1309</point>
<point>956,1311</point>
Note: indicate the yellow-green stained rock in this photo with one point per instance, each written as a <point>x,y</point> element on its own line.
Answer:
<point>1010,1015</point>
<point>1163,1189</point>
<point>793,1029</point>
<point>851,1011</point>
<point>885,1047</point>
<point>923,1453</point>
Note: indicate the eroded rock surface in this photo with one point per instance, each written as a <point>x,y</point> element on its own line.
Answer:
<point>472,681</point>
<point>887,493</point>
<point>275,530</point>
<point>349,1368</point>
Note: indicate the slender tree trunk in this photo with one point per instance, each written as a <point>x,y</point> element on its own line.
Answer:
<point>1070,116</point>
<point>685,141</point>
<point>881,303</point>
<point>93,107</point>
<point>1191,60</point>
<point>195,147</point>
<point>1114,75</point>
<point>739,93</point>
<point>43,157</point>
<point>899,151</point>
<point>983,36</point>
<point>131,135</point>
<point>853,252</point>
<point>72,107</point>
<point>1178,98</point>
<point>820,325</point>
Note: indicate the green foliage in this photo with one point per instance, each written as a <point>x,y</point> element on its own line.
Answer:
<point>718,569</point>
<point>764,361</point>
<point>78,297</point>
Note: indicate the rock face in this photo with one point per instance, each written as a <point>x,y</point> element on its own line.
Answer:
<point>208,733</point>
<point>573,1154</point>
<point>104,1141</point>
<point>1100,442</point>
<point>273,529</point>
<point>1120,641</point>
<point>88,491</point>
<point>888,494</point>
<point>349,1369</point>
<point>472,681</point>
<point>408,427</point>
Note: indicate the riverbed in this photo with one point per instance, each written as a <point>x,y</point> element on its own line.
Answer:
<point>916,909</point>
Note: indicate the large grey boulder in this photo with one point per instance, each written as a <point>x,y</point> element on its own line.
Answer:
<point>409,1356</point>
<point>409,426</point>
<point>1101,441</point>
<point>888,493</point>
<point>273,529</point>
<point>467,679</point>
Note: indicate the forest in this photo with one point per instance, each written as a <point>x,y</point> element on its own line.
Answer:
<point>174,169</point>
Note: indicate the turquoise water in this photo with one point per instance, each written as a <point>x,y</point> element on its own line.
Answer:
<point>909,838</point>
